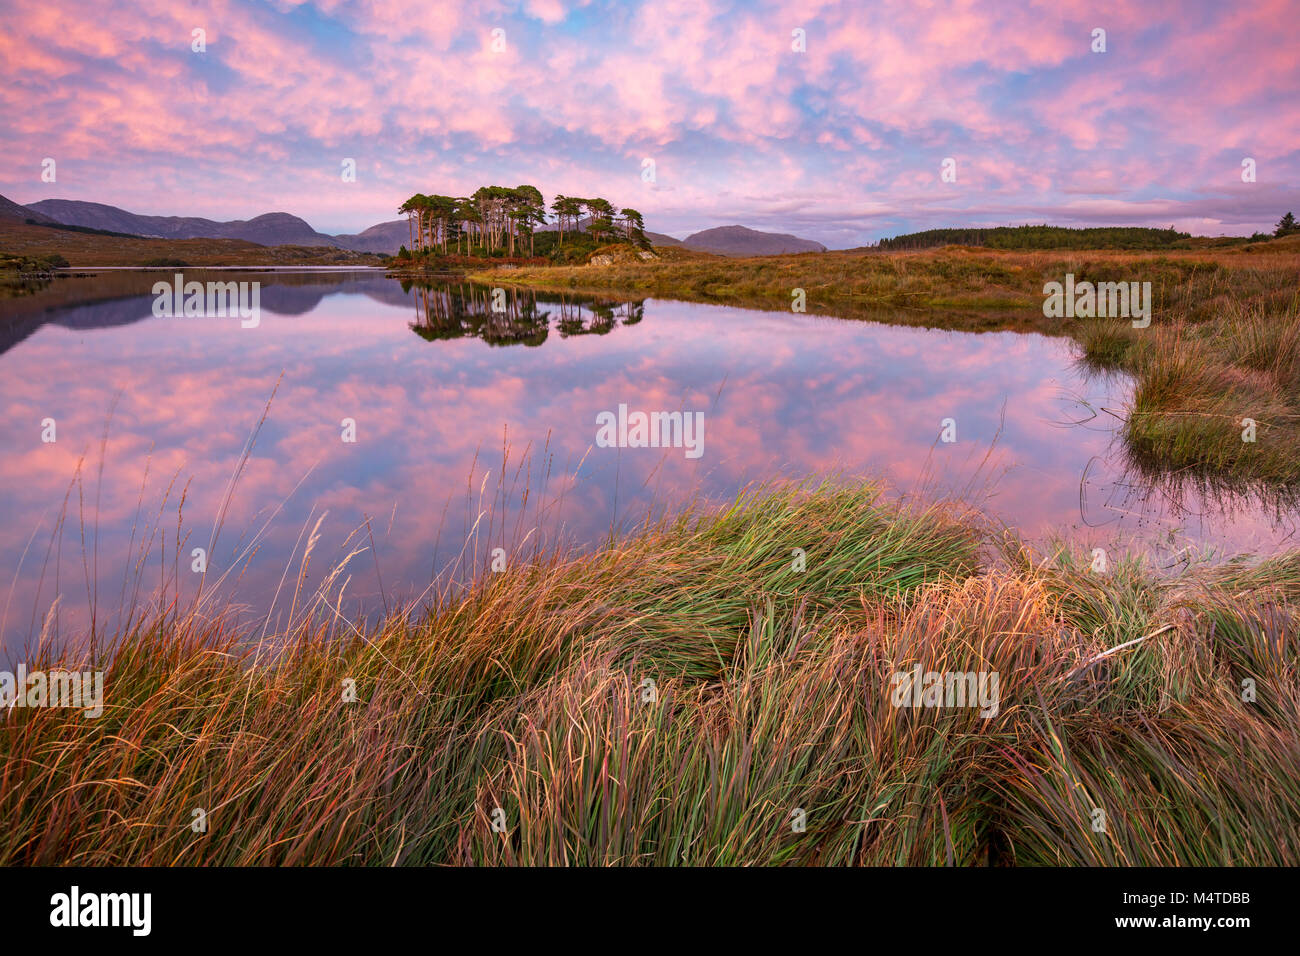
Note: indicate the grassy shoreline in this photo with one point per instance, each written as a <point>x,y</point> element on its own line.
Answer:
<point>1223,344</point>
<point>771,693</point>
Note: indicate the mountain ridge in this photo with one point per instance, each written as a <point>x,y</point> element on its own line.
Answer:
<point>282,228</point>
<point>10,211</point>
<point>737,240</point>
<point>268,229</point>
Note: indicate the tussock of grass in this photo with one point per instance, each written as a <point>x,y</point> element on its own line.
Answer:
<point>1198,382</point>
<point>771,693</point>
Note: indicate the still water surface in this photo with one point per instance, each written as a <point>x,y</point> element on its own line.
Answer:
<point>443,390</point>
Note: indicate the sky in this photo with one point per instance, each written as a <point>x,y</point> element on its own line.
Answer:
<point>697,113</point>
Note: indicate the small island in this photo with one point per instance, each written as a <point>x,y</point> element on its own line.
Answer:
<point>509,225</point>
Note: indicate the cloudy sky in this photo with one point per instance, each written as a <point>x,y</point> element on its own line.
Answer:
<point>843,143</point>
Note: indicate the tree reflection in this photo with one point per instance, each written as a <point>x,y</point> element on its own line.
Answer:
<point>513,316</point>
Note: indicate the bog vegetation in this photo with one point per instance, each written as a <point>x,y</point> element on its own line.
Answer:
<point>685,696</point>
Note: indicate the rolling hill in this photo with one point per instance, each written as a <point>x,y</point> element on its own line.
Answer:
<point>271,229</point>
<point>385,237</point>
<point>12,212</point>
<point>741,241</point>
<point>282,228</point>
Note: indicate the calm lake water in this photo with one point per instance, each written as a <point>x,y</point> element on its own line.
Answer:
<point>443,390</point>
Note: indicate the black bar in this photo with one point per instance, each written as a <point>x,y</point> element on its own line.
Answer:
<point>935,908</point>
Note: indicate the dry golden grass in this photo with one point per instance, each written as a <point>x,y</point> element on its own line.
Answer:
<point>681,696</point>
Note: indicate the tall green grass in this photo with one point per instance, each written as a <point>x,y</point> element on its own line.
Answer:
<point>681,695</point>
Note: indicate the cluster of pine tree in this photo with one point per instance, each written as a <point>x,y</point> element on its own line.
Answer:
<point>501,220</point>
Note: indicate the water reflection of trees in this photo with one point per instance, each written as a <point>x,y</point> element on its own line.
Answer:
<point>513,316</point>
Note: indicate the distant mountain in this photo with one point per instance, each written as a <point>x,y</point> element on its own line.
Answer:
<point>552,226</point>
<point>12,212</point>
<point>283,229</point>
<point>271,229</point>
<point>386,238</point>
<point>656,238</point>
<point>659,239</point>
<point>740,241</point>
<point>728,241</point>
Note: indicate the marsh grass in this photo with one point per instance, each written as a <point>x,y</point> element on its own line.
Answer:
<point>527,691</point>
<point>1198,382</point>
